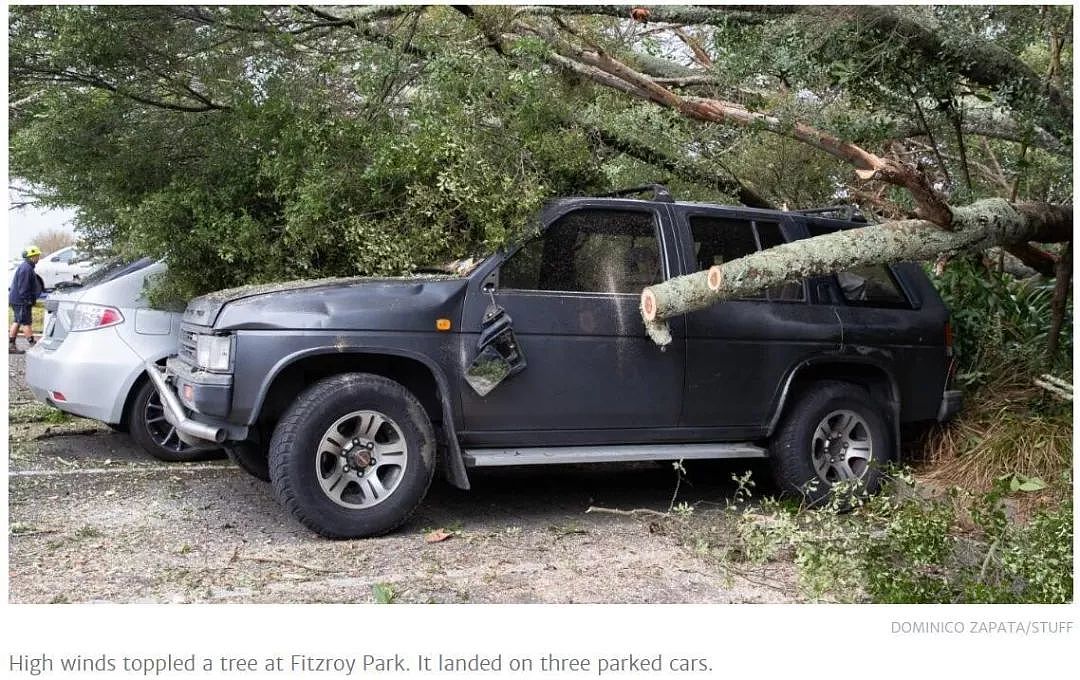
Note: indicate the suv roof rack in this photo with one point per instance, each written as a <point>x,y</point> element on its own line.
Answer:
<point>659,191</point>
<point>849,213</point>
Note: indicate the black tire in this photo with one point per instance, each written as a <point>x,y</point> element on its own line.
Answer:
<point>299,456</point>
<point>802,439</point>
<point>250,457</point>
<point>147,426</point>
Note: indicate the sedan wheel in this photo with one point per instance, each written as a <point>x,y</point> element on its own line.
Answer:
<point>161,432</point>
<point>148,427</point>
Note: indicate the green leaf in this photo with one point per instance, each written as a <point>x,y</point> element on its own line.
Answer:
<point>383,593</point>
<point>1031,484</point>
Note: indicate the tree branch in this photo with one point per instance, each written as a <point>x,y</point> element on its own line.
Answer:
<point>1061,298</point>
<point>867,165</point>
<point>977,60</point>
<point>1036,258</point>
<point>61,76</point>
<point>746,194</point>
<point>977,227</point>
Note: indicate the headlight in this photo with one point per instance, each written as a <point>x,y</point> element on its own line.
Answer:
<point>86,317</point>
<point>212,352</point>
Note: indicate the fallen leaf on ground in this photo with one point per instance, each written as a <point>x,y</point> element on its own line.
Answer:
<point>438,536</point>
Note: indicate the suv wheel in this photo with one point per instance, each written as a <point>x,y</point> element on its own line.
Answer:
<point>353,456</point>
<point>148,427</point>
<point>834,432</point>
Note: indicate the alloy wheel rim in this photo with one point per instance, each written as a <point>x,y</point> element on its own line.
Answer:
<point>360,460</point>
<point>841,447</point>
<point>161,431</point>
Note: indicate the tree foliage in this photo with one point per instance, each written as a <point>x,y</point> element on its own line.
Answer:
<point>249,144</point>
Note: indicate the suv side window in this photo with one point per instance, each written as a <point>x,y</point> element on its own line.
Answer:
<point>770,237</point>
<point>869,286</point>
<point>595,250</point>
<point>720,239</point>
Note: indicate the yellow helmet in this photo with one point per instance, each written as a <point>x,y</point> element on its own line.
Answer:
<point>31,251</point>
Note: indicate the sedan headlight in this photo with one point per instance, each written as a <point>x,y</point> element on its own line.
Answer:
<point>212,352</point>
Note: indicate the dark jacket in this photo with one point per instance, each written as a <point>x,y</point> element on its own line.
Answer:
<point>25,286</point>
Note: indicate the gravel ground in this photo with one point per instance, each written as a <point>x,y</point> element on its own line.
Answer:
<point>93,519</point>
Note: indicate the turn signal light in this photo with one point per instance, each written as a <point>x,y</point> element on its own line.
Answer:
<point>442,324</point>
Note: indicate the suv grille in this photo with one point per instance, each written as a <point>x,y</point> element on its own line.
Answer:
<point>187,345</point>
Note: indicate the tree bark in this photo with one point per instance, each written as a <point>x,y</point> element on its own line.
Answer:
<point>976,227</point>
<point>1058,304</point>
<point>1041,261</point>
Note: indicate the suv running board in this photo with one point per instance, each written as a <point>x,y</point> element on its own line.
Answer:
<point>609,454</point>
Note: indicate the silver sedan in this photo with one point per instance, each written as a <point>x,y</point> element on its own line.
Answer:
<point>91,359</point>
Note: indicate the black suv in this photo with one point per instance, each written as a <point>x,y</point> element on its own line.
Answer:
<point>347,393</point>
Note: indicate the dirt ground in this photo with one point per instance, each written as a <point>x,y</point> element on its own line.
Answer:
<point>94,519</point>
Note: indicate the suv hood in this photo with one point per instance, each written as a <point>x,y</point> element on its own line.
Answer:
<point>407,303</point>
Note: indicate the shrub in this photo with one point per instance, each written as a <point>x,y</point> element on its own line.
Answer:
<point>906,546</point>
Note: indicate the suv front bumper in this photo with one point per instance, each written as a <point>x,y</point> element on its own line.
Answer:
<point>201,391</point>
<point>192,430</point>
<point>951,403</point>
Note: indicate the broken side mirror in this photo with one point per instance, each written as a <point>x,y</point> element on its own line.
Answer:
<point>498,354</point>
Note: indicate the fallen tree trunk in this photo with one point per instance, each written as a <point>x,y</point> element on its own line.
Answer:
<point>975,227</point>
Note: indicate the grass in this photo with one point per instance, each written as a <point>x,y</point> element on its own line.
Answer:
<point>87,531</point>
<point>37,316</point>
<point>1009,427</point>
<point>37,413</point>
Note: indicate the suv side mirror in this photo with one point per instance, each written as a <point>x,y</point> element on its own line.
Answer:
<point>498,354</point>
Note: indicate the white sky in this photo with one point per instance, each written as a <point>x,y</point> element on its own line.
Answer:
<point>25,224</point>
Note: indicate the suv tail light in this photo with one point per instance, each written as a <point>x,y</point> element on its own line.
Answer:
<point>85,317</point>
<point>950,354</point>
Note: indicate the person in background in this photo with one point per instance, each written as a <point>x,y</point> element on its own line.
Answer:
<point>25,289</point>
